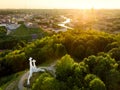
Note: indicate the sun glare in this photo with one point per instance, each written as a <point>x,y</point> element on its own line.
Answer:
<point>71,4</point>
<point>58,4</point>
<point>88,4</point>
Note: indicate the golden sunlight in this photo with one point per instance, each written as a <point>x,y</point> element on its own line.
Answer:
<point>60,4</point>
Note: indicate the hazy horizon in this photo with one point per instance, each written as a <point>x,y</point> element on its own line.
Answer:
<point>59,4</point>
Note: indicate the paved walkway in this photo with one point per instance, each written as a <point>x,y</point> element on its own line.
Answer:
<point>50,69</point>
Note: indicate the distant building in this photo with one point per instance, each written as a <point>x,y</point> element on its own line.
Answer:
<point>34,36</point>
<point>31,25</point>
<point>12,26</point>
<point>3,25</point>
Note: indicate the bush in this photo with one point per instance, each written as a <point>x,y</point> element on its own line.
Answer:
<point>97,84</point>
<point>64,68</point>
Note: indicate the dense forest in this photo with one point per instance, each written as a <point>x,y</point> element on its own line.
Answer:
<point>87,55</point>
<point>93,73</point>
<point>89,60</point>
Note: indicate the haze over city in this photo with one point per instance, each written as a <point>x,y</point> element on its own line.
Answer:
<point>59,44</point>
<point>59,4</point>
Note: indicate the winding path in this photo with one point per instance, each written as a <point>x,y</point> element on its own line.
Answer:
<point>21,81</point>
<point>50,69</point>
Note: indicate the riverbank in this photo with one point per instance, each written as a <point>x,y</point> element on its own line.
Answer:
<point>63,25</point>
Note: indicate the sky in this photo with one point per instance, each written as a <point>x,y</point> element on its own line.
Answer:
<point>58,4</point>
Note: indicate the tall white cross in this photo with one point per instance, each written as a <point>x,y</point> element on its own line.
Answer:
<point>33,68</point>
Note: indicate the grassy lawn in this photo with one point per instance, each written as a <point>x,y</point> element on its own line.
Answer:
<point>26,33</point>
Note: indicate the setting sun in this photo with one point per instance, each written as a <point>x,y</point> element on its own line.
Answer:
<point>60,4</point>
<point>59,44</point>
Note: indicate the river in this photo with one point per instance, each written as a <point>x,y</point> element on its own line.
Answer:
<point>63,24</point>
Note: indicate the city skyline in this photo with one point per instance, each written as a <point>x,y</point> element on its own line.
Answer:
<point>59,4</point>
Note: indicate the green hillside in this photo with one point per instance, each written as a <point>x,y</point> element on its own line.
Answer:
<point>96,53</point>
<point>20,36</point>
<point>23,31</point>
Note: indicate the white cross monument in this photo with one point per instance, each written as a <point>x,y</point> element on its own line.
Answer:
<point>33,68</point>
